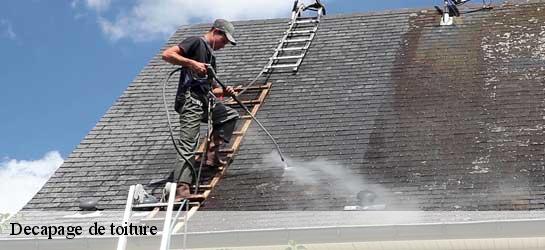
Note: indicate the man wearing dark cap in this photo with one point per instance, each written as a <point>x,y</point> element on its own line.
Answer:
<point>191,103</point>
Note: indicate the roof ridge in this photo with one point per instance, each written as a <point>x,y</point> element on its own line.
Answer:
<point>506,3</point>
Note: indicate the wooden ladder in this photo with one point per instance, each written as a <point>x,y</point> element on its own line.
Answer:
<point>206,188</point>
<point>244,123</point>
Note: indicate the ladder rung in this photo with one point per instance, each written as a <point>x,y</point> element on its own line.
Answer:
<point>253,88</point>
<point>160,204</point>
<point>306,17</point>
<point>225,150</point>
<point>293,48</point>
<point>197,197</point>
<point>301,32</point>
<point>297,40</point>
<point>284,66</point>
<point>237,133</point>
<point>164,204</point>
<point>307,21</point>
<point>243,102</point>
<point>314,9</point>
<point>287,57</point>
<point>203,186</point>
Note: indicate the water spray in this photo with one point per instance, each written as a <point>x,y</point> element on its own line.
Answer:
<point>212,73</point>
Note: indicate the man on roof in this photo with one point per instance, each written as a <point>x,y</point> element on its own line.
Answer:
<point>193,54</point>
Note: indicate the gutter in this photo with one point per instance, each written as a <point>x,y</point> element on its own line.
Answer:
<point>529,231</point>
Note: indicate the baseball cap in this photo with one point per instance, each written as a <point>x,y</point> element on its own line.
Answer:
<point>227,28</point>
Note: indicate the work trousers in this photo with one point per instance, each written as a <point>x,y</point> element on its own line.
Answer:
<point>193,112</point>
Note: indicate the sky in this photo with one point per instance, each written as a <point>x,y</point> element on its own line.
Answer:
<point>65,62</point>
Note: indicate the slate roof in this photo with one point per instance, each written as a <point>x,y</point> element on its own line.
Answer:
<point>427,117</point>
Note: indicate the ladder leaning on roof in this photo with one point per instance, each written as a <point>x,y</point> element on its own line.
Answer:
<point>293,46</point>
<point>174,224</point>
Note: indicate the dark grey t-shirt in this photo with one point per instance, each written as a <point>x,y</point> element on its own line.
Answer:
<point>195,48</point>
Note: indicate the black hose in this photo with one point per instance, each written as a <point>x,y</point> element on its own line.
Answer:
<point>191,167</point>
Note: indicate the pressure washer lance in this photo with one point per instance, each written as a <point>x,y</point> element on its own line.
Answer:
<point>212,73</point>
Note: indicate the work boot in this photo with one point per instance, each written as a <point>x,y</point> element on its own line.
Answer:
<point>213,156</point>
